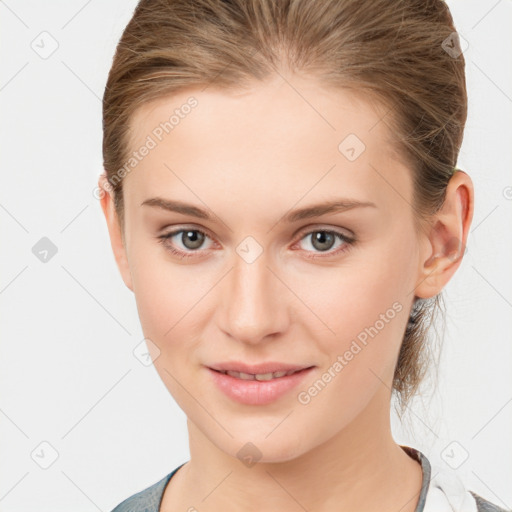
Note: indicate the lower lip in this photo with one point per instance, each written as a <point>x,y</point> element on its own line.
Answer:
<point>257,392</point>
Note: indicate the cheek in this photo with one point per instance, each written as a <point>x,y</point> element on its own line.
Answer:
<point>366,313</point>
<point>169,305</point>
<point>175,305</point>
<point>360,309</point>
<point>164,292</point>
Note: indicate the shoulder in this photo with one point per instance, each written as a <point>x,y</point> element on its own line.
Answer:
<point>147,500</point>
<point>486,506</point>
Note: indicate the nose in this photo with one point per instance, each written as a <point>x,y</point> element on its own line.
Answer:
<point>253,308</point>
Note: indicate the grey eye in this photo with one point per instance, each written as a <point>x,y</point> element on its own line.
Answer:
<point>191,238</point>
<point>322,240</point>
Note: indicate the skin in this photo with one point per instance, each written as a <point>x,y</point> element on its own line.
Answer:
<point>249,158</point>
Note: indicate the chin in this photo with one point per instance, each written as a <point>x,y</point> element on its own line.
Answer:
<point>250,448</point>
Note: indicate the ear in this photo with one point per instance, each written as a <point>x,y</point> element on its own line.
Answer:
<point>445,243</point>
<point>114,229</point>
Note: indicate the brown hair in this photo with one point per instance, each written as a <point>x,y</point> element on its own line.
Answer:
<point>403,53</point>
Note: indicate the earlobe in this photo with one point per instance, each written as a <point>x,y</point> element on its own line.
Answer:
<point>446,242</point>
<point>114,230</point>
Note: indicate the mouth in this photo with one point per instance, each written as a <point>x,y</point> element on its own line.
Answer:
<point>259,376</point>
<point>258,384</point>
<point>261,371</point>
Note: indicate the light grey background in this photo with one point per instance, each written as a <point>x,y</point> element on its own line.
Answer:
<point>69,326</point>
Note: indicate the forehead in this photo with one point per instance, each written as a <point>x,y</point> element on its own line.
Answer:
<point>304,107</point>
<point>285,136</point>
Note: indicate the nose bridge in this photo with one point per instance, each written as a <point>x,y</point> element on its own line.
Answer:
<point>253,306</point>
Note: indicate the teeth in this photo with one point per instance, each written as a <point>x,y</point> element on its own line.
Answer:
<point>258,376</point>
<point>265,376</point>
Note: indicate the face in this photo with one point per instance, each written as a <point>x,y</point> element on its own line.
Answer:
<point>258,276</point>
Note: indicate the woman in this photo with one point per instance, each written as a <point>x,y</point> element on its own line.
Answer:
<point>282,199</point>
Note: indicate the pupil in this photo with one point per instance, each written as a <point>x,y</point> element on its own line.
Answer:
<point>197,239</point>
<point>320,237</point>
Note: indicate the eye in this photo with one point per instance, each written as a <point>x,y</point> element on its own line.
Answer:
<point>191,239</point>
<point>323,240</point>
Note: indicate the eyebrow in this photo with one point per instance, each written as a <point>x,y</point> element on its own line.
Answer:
<point>307,212</point>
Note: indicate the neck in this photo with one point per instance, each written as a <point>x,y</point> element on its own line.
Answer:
<point>359,468</point>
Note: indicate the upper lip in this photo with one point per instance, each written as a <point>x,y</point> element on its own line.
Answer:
<point>268,367</point>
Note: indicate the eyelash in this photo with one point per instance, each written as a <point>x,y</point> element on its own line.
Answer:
<point>348,242</point>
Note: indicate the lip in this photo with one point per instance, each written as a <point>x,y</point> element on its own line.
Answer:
<point>254,392</point>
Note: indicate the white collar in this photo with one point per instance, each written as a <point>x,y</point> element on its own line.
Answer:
<point>441,490</point>
<point>447,493</point>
